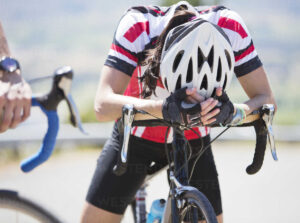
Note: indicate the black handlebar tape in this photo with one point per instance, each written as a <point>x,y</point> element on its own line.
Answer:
<point>260,148</point>
<point>120,168</point>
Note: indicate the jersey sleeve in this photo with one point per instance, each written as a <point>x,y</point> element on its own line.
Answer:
<point>246,57</point>
<point>129,41</point>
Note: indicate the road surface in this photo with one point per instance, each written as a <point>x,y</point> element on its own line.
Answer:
<point>272,195</point>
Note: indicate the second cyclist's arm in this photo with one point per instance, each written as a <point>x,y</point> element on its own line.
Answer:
<point>15,93</point>
<point>110,99</point>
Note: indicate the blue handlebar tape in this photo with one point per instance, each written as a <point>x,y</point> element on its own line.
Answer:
<point>49,140</point>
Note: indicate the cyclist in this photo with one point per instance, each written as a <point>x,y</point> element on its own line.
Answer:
<point>163,33</point>
<point>15,93</point>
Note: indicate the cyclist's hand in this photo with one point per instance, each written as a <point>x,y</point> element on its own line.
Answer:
<point>184,107</point>
<point>208,111</point>
<point>173,110</point>
<point>225,108</point>
<point>15,101</point>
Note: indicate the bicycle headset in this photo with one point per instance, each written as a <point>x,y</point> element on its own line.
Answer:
<point>197,54</point>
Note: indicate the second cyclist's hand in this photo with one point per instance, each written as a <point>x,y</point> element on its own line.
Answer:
<point>15,101</point>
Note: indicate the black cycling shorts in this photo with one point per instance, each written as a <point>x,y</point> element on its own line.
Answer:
<point>113,193</point>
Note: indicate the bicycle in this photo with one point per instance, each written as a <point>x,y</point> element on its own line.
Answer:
<point>186,203</point>
<point>13,200</point>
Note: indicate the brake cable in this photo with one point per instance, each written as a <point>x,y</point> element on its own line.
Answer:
<point>201,151</point>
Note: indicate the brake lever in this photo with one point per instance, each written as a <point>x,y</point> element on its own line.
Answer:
<point>128,117</point>
<point>61,85</point>
<point>128,112</point>
<point>63,77</point>
<point>268,111</point>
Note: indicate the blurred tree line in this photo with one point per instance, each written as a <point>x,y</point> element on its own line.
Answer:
<point>192,2</point>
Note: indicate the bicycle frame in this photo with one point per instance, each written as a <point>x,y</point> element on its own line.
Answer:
<point>180,160</point>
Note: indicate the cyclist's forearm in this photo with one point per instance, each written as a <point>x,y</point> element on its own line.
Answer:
<point>257,87</point>
<point>4,50</point>
<point>257,102</point>
<point>110,108</point>
<point>12,78</point>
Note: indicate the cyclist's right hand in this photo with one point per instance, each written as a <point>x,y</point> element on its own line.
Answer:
<point>15,101</point>
<point>185,106</point>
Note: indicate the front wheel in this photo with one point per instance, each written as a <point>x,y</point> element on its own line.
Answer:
<point>15,208</point>
<point>195,207</point>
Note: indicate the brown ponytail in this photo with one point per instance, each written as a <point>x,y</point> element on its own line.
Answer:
<point>153,56</point>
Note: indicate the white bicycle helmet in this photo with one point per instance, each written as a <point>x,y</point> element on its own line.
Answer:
<point>197,54</point>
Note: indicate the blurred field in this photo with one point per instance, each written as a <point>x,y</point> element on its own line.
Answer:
<point>270,196</point>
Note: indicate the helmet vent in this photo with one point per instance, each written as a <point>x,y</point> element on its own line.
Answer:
<point>178,83</point>
<point>204,83</point>
<point>200,59</point>
<point>166,84</point>
<point>225,81</point>
<point>189,76</point>
<point>219,72</point>
<point>228,59</point>
<point>210,58</point>
<point>177,60</point>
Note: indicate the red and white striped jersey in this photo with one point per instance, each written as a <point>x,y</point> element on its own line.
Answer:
<point>138,31</point>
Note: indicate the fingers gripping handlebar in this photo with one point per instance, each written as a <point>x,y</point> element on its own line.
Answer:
<point>261,120</point>
<point>61,86</point>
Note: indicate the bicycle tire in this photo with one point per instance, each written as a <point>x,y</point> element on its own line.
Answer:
<point>193,198</point>
<point>14,201</point>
